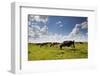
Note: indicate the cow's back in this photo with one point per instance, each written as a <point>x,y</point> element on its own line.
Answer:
<point>66,42</point>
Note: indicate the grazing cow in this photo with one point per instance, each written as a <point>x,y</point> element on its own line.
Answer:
<point>38,44</point>
<point>68,44</point>
<point>53,44</point>
<point>81,42</point>
<point>43,44</point>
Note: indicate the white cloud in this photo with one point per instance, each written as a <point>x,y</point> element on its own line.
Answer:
<point>76,34</point>
<point>75,31</point>
<point>35,29</point>
<point>48,38</point>
<point>43,18</point>
<point>84,25</point>
<point>58,22</point>
<point>56,38</point>
<point>38,18</point>
<point>60,25</point>
<point>44,30</point>
<point>34,32</point>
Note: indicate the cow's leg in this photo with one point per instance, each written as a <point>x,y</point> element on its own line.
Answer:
<point>73,45</point>
<point>50,45</point>
<point>46,45</point>
<point>61,47</point>
<point>53,45</point>
<point>40,45</point>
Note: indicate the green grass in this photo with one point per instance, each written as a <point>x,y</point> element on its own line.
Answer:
<point>35,52</point>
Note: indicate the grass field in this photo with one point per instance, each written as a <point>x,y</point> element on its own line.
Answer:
<point>35,52</point>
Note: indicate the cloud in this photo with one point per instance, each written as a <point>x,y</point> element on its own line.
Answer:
<point>60,25</point>
<point>44,30</point>
<point>35,28</point>
<point>84,25</point>
<point>34,32</point>
<point>76,33</point>
<point>48,38</point>
<point>59,22</point>
<point>37,18</point>
<point>38,31</point>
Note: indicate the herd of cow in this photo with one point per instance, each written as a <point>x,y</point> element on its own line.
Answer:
<point>61,45</point>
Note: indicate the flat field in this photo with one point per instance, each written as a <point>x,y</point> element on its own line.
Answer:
<point>35,52</point>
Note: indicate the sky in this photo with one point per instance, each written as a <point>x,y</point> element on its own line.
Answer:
<point>42,28</point>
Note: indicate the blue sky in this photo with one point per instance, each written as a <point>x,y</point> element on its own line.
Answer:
<point>42,28</point>
<point>67,22</point>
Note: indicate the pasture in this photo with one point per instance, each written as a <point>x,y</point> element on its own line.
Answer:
<point>35,52</point>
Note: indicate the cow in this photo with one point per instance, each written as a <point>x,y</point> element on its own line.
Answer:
<point>81,42</point>
<point>43,44</point>
<point>68,44</point>
<point>38,44</point>
<point>53,44</point>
